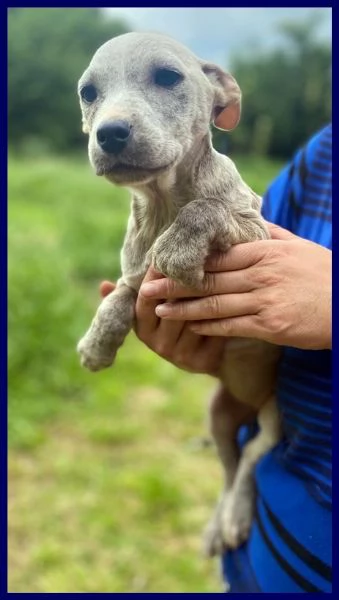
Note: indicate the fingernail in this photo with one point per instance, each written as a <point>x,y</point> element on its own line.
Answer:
<point>148,289</point>
<point>162,310</point>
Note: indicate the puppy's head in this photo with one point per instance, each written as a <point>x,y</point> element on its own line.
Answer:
<point>147,102</point>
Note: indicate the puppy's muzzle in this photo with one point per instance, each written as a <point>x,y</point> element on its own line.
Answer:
<point>113,136</point>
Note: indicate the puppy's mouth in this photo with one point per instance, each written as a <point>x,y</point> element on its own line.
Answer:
<point>123,172</point>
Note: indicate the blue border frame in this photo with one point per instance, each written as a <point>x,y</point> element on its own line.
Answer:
<point>3,309</point>
<point>3,270</point>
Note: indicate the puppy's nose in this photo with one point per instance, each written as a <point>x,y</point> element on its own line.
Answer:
<point>113,136</point>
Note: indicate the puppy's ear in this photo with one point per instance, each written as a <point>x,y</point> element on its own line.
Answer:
<point>227,97</point>
<point>85,128</point>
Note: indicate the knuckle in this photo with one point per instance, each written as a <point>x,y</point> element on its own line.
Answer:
<point>277,250</point>
<point>266,298</point>
<point>276,324</point>
<point>169,288</point>
<point>216,261</point>
<point>208,284</point>
<point>265,277</point>
<point>227,326</point>
<point>181,309</point>
<point>213,305</point>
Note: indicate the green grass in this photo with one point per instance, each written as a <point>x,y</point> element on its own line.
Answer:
<point>107,493</point>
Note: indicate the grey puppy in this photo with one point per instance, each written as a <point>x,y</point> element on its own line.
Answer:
<point>147,104</point>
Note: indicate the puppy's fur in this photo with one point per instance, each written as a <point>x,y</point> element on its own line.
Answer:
<point>187,200</point>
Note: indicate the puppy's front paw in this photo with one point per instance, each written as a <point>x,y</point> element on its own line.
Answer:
<point>179,258</point>
<point>111,324</point>
<point>94,354</point>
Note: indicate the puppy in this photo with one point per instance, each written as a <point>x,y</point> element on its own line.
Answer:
<point>147,104</point>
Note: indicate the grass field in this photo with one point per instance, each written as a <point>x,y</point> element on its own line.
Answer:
<point>108,491</point>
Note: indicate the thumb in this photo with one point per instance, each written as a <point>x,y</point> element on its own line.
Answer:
<point>279,233</point>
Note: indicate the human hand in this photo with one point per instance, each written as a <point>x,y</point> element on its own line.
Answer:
<point>173,341</point>
<point>278,290</point>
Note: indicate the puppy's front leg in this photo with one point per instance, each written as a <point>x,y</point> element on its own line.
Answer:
<point>200,227</point>
<point>110,326</point>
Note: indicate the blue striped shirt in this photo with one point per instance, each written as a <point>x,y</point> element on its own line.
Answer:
<point>290,546</point>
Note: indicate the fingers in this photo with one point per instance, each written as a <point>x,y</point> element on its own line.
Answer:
<point>214,283</point>
<point>187,343</point>
<point>173,340</point>
<point>242,256</point>
<point>198,354</point>
<point>146,319</point>
<point>246,326</point>
<point>237,257</point>
<point>163,337</point>
<point>152,274</point>
<point>165,288</point>
<point>212,307</point>
<point>191,352</point>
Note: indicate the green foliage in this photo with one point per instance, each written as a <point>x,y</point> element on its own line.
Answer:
<point>286,92</point>
<point>107,492</point>
<point>48,48</point>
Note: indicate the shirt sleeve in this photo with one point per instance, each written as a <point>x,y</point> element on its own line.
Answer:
<point>283,194</point>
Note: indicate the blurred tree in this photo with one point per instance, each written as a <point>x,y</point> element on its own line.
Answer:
<point>286,93</point>
<point>48,48</point>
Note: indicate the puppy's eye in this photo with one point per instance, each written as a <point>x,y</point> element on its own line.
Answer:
<point>88,93</point>
<point>167,77</point>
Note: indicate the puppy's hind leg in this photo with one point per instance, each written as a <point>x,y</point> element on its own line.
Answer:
<point>226,416</point>
<point>238,513</point>
<point>111,324</point>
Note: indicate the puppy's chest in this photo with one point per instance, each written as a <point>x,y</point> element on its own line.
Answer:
<point>147,222</point>
<point>152,221</point>
<point>155,213</point>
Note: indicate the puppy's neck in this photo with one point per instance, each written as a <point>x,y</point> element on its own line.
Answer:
<point>184,182</point>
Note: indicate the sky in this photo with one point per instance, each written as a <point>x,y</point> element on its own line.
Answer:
<point>215,34</point>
